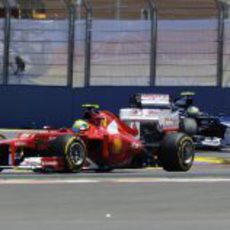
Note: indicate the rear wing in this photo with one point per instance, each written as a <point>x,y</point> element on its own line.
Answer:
<point>150,100</point>
<point>132,114</point>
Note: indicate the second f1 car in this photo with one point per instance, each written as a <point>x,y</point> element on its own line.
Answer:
<point>206,130</point>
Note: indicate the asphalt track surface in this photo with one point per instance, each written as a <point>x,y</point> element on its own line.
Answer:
<point>123,199</point>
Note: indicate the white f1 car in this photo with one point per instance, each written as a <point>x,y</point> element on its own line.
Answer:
<point>153,123</point>
<point>181,114</point>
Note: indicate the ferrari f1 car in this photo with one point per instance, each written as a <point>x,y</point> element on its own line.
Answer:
<point>99,138</point>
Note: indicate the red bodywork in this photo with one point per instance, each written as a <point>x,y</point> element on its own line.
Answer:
<point>109,142</point>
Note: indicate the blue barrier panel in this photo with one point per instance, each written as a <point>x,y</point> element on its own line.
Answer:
<point>27,106</point>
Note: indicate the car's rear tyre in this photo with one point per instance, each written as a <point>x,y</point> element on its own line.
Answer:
<point>189,126</point>
<point>73,149</point>
<point>176,152</point>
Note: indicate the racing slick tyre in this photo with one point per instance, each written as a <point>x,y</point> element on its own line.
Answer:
<point>189,126</point>
<point>177,152</point>
<point>73,149</point>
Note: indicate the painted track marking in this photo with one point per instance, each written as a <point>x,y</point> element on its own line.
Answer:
<point>212,160</point>
<point>112,180</point>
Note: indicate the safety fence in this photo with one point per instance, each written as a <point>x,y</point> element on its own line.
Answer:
<point>114,43</point>
<point>226,52</point>
<point>37,47</point>
<point>121,48</point>
<point>187,45</point>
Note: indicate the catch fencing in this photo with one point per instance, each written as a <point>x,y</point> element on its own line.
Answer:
<point>37,45</point>
<point>188,46</point>
<point>114,43</point>
<point>226,52</point>
<point>120,51</point>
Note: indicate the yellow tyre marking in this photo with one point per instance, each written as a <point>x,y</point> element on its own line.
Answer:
<point>69,142</point>
<point>183,143</point>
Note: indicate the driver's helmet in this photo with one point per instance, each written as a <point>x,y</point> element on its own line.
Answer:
<point>193,110</point>
<point>80,125</point>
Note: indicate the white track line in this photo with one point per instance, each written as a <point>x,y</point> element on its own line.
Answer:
<point>115,181</point>
<point>173,180</point>
<point>44,181</point>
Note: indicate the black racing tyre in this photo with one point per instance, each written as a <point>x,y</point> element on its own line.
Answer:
<point>73,149</point>
<point>189,126</point>
<point>176,152</point>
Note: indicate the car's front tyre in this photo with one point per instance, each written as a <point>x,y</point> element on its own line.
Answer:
<point>176,152</point>
<point>73,149</point>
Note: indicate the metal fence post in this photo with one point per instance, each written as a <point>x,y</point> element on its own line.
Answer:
<point>153,52</point>
<point>220,46</point>
<point>88,38</point>
<point>118,9</point>
<point>71,44</point>
<point>6,43</point>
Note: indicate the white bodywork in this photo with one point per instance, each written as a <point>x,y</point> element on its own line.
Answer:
<point>212,142</point>
<point>161,100</point>
<point>165,119</point>
<point>160,113</point>
<point>35,163</point>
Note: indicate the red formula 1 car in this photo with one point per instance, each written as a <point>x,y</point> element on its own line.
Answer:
<point>100,138</point>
